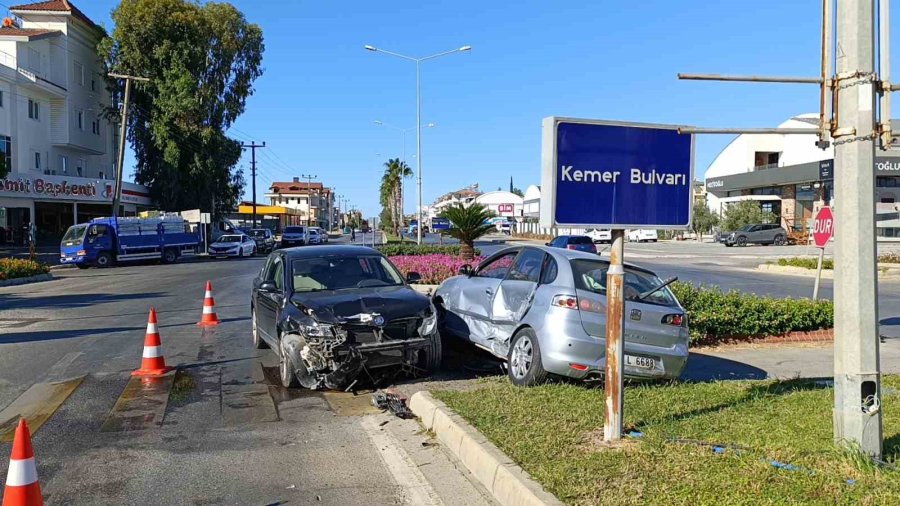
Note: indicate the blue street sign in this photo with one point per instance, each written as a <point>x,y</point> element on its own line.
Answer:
<point>440,224</point>
<point>616,175</point>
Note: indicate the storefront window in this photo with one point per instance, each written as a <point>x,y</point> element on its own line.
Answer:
<point>805,192</point>
<point>887,182</point>
<point>766,190</point>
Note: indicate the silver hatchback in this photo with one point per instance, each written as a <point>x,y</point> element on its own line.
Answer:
<point>544,311</point>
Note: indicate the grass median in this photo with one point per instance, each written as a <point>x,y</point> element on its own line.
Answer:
<point>701,443</point>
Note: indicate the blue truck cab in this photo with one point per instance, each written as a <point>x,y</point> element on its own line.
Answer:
<point>104,241</point>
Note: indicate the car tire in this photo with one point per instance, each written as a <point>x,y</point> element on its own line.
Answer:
<point>742,241</point>
<point>779,240</point>
<point>241,252</point>
<point>103,260</point>
<point>169,256</point>
<point>258,342</point>
<point>286,372</point>
<point>434,354</point>
<point>524,360</point>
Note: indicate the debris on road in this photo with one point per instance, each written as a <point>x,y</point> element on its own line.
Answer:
<point>393,401</point>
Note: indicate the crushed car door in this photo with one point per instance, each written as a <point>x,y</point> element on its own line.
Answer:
<point>477,293</point>
<point>513,298</point>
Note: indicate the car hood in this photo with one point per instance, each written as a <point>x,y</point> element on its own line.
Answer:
<point>337,306</point>
<point>225,244</point>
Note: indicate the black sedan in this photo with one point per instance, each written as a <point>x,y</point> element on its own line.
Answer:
<point>337,313</point>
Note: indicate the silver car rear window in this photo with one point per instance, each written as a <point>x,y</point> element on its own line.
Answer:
<point>590,275</point>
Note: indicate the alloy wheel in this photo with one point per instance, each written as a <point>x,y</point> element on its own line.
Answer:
<point>522,356</point>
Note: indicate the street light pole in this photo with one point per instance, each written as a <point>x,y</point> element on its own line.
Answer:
<point>403,154</point>
<point>308,178</point>
<point>419,122</point>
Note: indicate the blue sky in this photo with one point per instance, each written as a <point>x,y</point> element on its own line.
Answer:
<point>321,91</point>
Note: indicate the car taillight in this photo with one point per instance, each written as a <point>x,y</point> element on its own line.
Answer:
<point>566,301</point>
<point>571,246</point>
<point>677,320</point>
<point>591,306</point>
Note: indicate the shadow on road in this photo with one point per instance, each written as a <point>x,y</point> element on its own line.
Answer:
<point>13,301</point>
<point>702,367</point>
<point>52,335</point>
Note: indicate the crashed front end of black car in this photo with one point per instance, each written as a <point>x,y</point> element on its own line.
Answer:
<point>334,352</point>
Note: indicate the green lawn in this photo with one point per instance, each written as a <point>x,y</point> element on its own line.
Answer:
<point>547,431</point>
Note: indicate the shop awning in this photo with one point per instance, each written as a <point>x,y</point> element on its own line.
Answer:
<point>273,210</point>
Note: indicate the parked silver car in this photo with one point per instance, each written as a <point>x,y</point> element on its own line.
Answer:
<point>544,310</point>
<point>762,233</point>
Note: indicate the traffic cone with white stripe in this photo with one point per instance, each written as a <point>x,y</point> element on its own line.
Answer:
<point>208,318</point>
<point>22,487</point>
<point>153,363</point>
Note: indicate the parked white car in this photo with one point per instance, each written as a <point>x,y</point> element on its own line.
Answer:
<point>642,235</point>
<point>600,235</point>
<point>315,237</point>
<point>233,245</point>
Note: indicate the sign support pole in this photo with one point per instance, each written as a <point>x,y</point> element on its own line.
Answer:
<point>818,274</point>
<point>857,390</point>
<point>615,350</point>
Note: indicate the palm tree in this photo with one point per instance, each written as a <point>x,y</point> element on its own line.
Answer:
<point>391,181</point>
<point>469,223</point>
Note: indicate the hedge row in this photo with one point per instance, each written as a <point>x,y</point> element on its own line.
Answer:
<point>715,315</point>
<point>806,263</point>
<point>11,268</point>
<point>413,249</point>
<point>434,269</point>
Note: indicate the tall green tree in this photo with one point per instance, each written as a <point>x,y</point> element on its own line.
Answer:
<point>746,212</point>
<point>703,219</point>
<point>468,223</point>
<point>390,191</point>
<point>202,60</point>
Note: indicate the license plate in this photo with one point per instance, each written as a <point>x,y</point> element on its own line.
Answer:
<point>642,362</point>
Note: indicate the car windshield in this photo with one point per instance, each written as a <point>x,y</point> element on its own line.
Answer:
<point>580,239</point>
<point>229,238</point>
<point>343,272</point>
<point>293,230</point>
<point>745,228</point>
<point>74,234</point>
<point>590,275</point>
<point>258,233</point>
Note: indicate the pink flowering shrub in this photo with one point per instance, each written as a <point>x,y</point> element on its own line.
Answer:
<point>433,268</point>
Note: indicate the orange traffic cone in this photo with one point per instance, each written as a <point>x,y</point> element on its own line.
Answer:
<point>22,487</point>
<point>153,363</point>
<point>209,318</point>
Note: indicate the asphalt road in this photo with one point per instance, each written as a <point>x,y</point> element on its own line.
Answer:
<point>217,432</point>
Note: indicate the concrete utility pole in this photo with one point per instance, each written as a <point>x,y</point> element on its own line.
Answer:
<point>615,347</point>
<point>857,389</point>
<point>123,130</point>
<point>253,145</point>
<point>309,178</point>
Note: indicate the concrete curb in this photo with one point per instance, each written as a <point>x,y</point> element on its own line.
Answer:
<point>826,273</point>
<point>506,481</point>
<point>24,281</point>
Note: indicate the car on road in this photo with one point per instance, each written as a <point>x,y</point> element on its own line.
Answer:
<point>573,242</point>
<point>543,310</point>
<point>313,235</point>
<point>293,236</point>
<point>233,245</point>
<point>642,235</point>
<point>600,235</point>
<point>265,240</point>
<point>337,313</point>
<point>323,235</point>
<point>759,233</point>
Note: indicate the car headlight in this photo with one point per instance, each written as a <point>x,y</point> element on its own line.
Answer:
<point>429,323</point>
<point>317,330</point>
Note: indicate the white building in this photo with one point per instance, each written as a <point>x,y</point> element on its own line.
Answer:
<point>792,178</point>
<point>502,203</point>
<point>531,202</point>
<point>463,196</point>
<point>58,147</point>
<point>314,201</point>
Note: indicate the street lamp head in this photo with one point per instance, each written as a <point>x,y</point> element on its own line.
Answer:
<point>464,48</point>
<point>370,48</point>
<point>430,125</point>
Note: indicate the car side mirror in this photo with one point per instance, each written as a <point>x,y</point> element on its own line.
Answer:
<point>268,286</point>
<point>465,270</point>
<point>413,277</point>
<point>546,244</point>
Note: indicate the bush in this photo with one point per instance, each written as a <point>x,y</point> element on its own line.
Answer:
<point>433,268</point>
<point>715,315</point>
<point>889,258</point>
<point>806,263</point>
<point>413,249</point>
<point>11,268</point>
